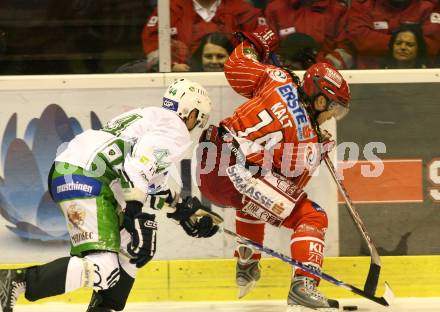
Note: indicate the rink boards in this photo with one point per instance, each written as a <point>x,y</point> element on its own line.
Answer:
<point>213,280</point>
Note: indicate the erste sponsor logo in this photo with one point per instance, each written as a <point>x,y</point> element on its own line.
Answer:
<point>289,94</point>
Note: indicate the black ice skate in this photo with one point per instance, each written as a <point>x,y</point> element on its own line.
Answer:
<point>247,271</point>
<point>305,297</point>
<point>12,284</point>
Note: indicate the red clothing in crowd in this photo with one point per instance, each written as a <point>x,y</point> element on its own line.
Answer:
<point>320,19</point>
<point>188,27</point>
<point>371,22</point>
<point>431,30</point>
<point>273,114</point>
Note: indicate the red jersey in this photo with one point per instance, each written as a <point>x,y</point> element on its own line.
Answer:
<point>321,19</point>
<point>188,27</point>
<point>273,116</point>
<point>371,22</point>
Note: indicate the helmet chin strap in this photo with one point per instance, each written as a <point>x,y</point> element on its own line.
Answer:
<point>313,113</point>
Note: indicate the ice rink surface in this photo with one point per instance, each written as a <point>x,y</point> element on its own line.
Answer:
<point>400,305</point>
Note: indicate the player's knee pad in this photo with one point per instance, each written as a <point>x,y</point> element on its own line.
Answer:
<point>317,217</point>
<point>98,271</point>
<point>106,271</point>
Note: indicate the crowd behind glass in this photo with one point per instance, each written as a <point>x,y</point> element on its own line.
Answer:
<point>103,36</point>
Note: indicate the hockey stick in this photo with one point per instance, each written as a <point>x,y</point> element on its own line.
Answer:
<point>385,300</point>
<point>374,272</point>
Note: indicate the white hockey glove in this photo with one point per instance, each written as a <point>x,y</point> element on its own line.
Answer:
<point>142,228</point>
<point>196,219</point>
<point>134,194</point>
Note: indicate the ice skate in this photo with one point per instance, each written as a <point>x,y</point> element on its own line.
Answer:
<point>305,297</point>
<point>12,284</point>
<point>247,272</point>
<point>95,303</point>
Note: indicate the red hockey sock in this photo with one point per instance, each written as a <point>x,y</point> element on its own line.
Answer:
<point>251,228</point>
<point>307,246</point>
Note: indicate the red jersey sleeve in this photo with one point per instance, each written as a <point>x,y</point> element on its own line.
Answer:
<point>243,70</point>
<point>150,33</point>
<point>431,30</point>
<point>361,33</point>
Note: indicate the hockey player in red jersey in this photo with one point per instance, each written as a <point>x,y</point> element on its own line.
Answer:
<point>259,159</point>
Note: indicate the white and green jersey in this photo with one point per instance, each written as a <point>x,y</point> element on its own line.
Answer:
<point>163,140</point>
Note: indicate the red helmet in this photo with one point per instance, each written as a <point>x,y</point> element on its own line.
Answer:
<point>323,78</point>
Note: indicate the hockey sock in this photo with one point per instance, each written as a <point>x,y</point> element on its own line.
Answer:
<point>46,280</point>
<point>307,246</point>
<point>251,228</point>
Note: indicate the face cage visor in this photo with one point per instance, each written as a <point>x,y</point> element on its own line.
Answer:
<point>340,111</point>
<point>203,120</point>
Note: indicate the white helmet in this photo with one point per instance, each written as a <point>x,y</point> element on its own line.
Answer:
<point>183,96</point>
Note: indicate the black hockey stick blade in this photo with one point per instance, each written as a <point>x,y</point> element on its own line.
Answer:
<point>385,300</point>
<point>372,279</point>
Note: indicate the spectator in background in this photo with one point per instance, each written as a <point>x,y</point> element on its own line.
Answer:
<point>323,20</point>
<point>371,23</point>
<point>407,48</point>
<point>298,51</point>
<point>212,53</point>
<point>190,20</point>
<point>178,51</point>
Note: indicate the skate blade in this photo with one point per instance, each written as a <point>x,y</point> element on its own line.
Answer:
<point>299,308</point>
<point>388,295</point>
<point>244,290</point>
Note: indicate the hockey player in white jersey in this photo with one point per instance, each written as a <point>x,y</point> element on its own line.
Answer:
<point>109,184</point>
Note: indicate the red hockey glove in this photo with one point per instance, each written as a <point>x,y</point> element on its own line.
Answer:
<point>263,38</point>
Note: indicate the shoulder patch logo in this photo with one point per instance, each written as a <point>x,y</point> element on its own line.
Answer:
<point>277,75</point>
<point>262,21</point>
<point>152,21</point>
<point>435,18</point>
<point>380,25</point>
<point>287,31</point>
<point>250,54</point>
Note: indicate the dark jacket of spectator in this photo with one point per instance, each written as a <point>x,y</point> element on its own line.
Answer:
<point>371,22</point>
<point>188,27</point>
<point>323,20</point>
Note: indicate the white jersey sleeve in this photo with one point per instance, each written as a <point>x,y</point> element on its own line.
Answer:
<point>153,155</point>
